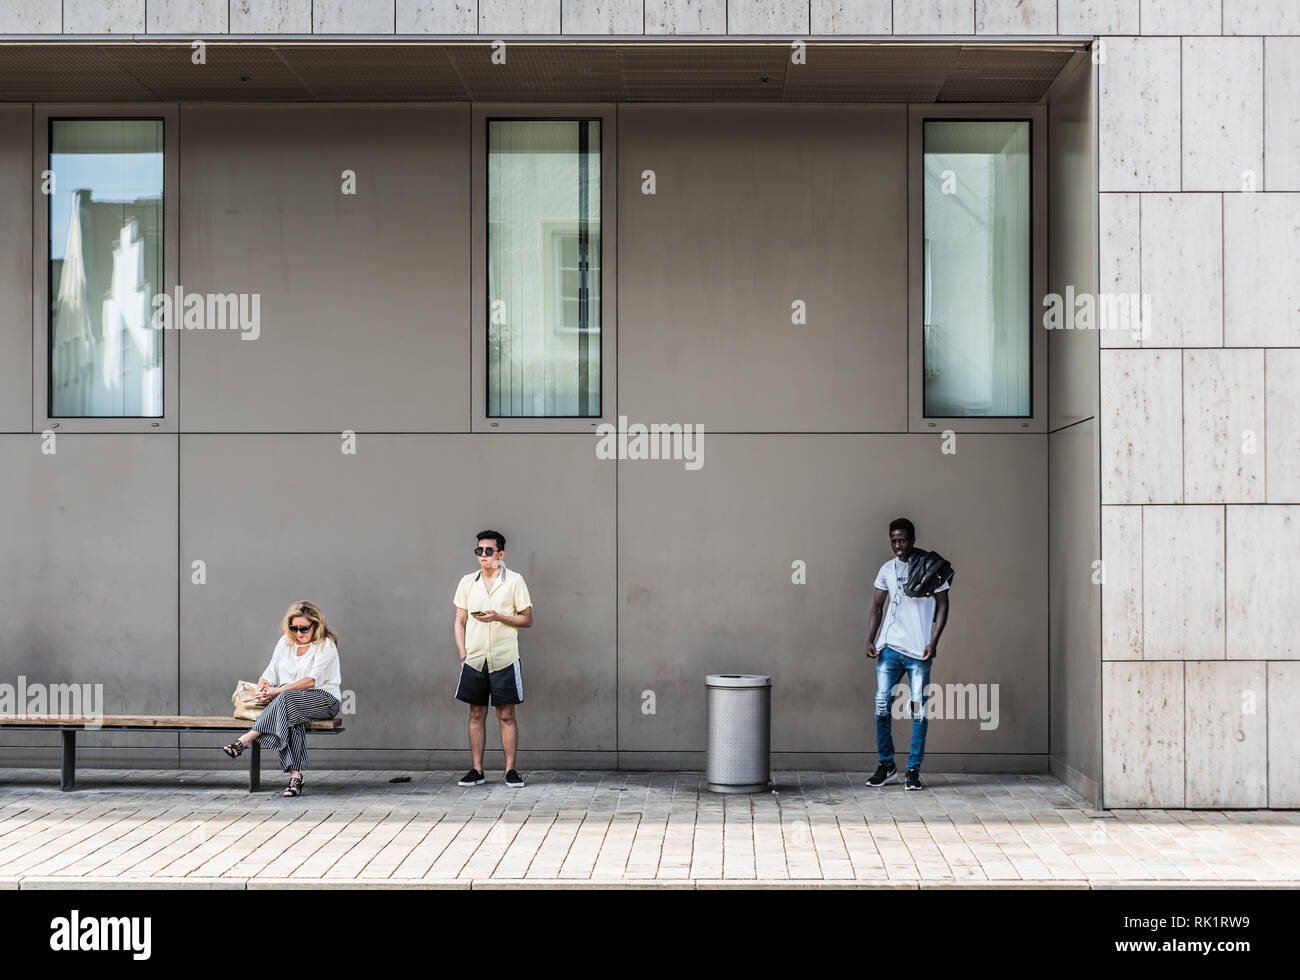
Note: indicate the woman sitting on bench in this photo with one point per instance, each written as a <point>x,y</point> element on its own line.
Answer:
<point>305,665</point>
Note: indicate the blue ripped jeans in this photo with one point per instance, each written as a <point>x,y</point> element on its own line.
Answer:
<point>890,667</point>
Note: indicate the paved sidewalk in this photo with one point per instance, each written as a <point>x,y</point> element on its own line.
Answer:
<point>662,829</point>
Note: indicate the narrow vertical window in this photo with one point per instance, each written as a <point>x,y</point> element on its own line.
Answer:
<point>544,267</point>
<point>977,269</point>
<point>105,267</point>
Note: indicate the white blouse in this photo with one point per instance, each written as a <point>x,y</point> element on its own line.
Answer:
<point>320,662</point>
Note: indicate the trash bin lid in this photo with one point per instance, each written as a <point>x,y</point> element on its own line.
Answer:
<point>738,680</point>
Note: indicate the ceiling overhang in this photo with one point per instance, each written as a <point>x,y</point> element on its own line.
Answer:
<point>763,71</point>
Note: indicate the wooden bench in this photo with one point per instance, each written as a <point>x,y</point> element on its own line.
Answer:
<point>69,725</point>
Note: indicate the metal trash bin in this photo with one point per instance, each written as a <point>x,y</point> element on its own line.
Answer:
<point>738,750</point>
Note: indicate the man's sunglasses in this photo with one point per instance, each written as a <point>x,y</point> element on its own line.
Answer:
<point>489,552</point>
<point>301,629</point>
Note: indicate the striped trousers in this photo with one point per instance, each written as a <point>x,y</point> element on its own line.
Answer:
<point>282,724</point>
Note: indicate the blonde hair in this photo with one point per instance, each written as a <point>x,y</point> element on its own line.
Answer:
<point>311,612</point>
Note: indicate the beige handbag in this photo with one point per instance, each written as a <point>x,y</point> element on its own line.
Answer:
<point>245,701</point>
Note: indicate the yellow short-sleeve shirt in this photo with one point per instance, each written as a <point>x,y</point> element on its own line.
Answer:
<point>497,644</point>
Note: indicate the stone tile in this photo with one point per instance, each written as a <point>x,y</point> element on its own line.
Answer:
<point>103,16</point>
<point>1142,734</point>
<point>60,883</point>
<point>1262,546</point>
<point>1140,122</point>
<point>187,16</point>
<point>1120,226</point>
<point>1142,427</point>
<point>1261,289</point>
<point>1097,16</point>
<point>438,17</point>
<point>1227,734</point>
<point>1181,17</point>
<point>824,831</point>
<point>767,17</point>
<point>1223,426</point>
<point>1121,592</point>
<point>1261,17</point>
<point>281,884</point>
<point>686,16</point>
<point>935,17</point>
<point>270,16</point>
<point>1281,113</point>
<point>1223,114</point>
<point>603,16</point>
<point>353,16</point>
<point>1282,425</point>
<point>519,17</point>
<point>1284,734</point>
<point>1015,16</point>
<point>851,16</point>
<point>32,17</point>
<point>1182,268</point>
<point>1183,583</point>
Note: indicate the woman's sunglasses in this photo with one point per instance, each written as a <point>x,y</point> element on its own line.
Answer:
<point>489,552</point>
<point>301,629</point>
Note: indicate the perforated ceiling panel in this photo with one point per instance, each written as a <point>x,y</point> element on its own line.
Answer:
<point>589,71</point>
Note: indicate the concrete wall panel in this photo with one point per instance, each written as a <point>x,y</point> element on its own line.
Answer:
<point>364,296</point>
<point>1182,268</point>
<point>686,16</point>
<point>88,534</point>
<point>1183,583</point>
<point>379,540</point>
<point>16,268</point>
<point>705,583</point>
<point>1142,427</point>
<point>270,16</point>
<point>851,16</point>
<point>1140,115</point>
<point>1074,602</point>
<point>1144,734</point>
<point>1097,16</point>
<point>1223,113</point>
<point>718,347</point>
<point>1015,16</point>
<point>437,16</point>
<point>1227,734</point>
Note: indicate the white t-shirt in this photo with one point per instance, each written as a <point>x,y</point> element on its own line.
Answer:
<point>320,662</point>
<point>907,622</point>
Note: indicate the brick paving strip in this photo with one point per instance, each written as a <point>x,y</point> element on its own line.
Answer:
<point>355,829</point>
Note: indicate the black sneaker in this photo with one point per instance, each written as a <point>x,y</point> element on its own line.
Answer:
<point>471,778</point>
<point>513,779</point>
<point>913,779</point>
<point>883,774</point>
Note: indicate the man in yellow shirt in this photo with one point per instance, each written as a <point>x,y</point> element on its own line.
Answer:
<point>492,605</point>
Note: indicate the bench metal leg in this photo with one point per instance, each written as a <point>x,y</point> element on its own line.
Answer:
<point>68,776</point>
<point>254,767</point>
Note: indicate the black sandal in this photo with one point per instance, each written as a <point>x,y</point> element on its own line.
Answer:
<point>235,749</point>
<point>295,786</point>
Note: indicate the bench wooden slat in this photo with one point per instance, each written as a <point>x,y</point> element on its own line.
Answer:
<point>160,722</point>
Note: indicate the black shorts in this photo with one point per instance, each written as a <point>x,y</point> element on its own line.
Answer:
<point>506,686</point>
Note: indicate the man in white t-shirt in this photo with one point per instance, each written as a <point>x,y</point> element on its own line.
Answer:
<point>906,643</point>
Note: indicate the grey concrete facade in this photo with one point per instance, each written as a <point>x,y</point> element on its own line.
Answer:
<point>1196,196</point>
<point>623,559</point>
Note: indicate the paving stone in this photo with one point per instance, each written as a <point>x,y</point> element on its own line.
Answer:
<point>163,829</point>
